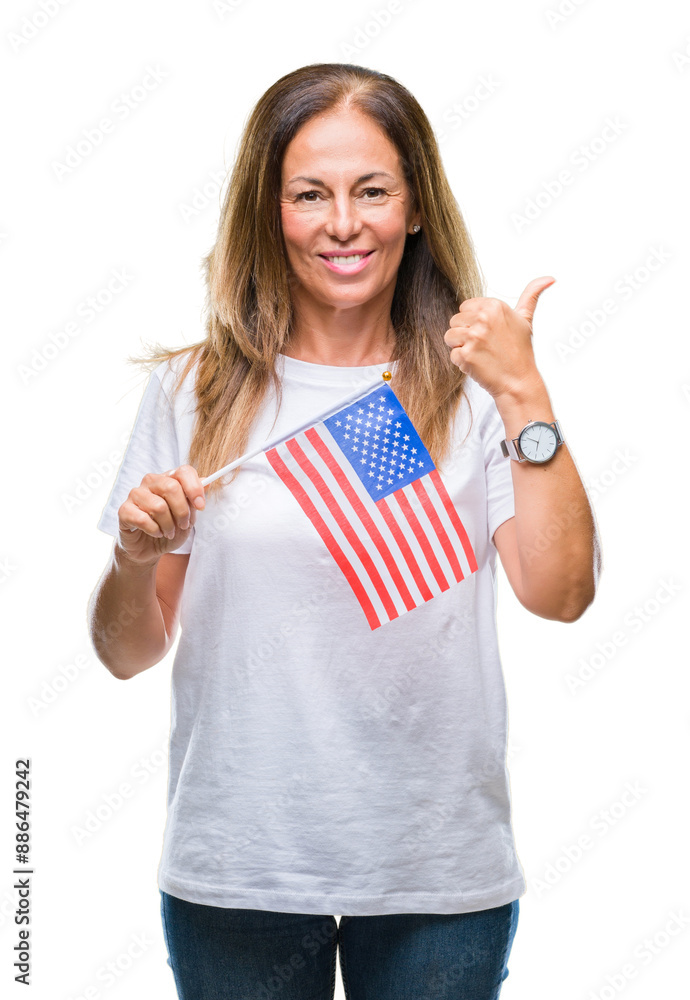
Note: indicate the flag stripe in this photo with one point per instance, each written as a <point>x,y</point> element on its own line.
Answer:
<point>310,510</point>
<point>373,509</point>
<point>455,518</point>
<point>404,546</point>
<point>403,533</point>
<point>363,515</point>
<point>325,504</point>
<point>325,508</point>
<point>315,476</point>
<point>439,529</point>
<point>421,537</point>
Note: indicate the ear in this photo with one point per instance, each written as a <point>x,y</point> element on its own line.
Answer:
<point>416,220</point>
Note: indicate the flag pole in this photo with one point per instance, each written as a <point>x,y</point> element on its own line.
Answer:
<point>296,430</point>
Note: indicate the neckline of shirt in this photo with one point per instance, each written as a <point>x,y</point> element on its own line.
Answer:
<point>308,371</point>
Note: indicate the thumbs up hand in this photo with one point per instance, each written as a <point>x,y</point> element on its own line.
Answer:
<point>493,343</point>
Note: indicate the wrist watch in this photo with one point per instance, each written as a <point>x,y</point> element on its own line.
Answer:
<point>537,442</point>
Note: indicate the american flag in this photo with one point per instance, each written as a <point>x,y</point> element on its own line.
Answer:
<point>368,485</point>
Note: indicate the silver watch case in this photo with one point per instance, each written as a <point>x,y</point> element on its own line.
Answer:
<point>511,446</point>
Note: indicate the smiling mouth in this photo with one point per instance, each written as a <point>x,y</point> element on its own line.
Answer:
<point>345,258</point>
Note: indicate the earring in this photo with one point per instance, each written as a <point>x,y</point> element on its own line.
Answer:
<point>415,229</point>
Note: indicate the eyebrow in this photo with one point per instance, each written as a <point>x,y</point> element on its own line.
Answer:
<point>364,177</point>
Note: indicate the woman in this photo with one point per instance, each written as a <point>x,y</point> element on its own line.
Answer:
<point>323,760</point>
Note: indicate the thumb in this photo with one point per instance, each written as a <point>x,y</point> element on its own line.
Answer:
<point>527,302</point>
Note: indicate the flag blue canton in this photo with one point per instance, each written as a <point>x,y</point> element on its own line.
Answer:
<point>380,442</point>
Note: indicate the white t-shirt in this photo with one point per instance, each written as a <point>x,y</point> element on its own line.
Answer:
<point>317,764</point>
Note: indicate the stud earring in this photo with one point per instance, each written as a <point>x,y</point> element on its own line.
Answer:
<point>415,229</point>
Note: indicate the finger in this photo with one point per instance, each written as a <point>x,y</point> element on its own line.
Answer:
<point>460,319</point>
<point>172,489</point>
<point>527,302</point>
<point>152,497</point>
<point>191,509</point>
<point>133,518</point>
<point>192,486</point>
<point>455,337</point>
<point>179,489</point>
<point>457,358</point>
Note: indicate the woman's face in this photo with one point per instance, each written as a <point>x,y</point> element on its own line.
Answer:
<point>343,190</point>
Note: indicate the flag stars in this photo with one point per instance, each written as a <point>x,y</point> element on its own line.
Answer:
<point>382,444</point>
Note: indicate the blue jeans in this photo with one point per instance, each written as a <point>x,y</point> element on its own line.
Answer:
<point>219,953</point>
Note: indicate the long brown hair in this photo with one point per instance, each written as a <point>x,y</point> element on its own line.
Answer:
<point>248,302</point>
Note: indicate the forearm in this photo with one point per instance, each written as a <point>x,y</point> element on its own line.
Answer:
<point>560,554</point>
<point>126,623</point>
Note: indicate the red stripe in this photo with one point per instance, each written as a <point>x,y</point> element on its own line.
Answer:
<point>455,518</point>
<point>419,534</point>
<point>329,541</point>
<point>310,470</point>
<point>441,532</point>
<point>364,515</point>
<point>404,547</point>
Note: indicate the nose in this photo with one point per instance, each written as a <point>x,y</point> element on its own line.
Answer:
<point>343,220</point>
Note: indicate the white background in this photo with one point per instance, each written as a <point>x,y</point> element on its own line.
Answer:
<point>619,384</point>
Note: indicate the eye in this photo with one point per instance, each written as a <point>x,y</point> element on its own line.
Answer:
<point>303,194</point>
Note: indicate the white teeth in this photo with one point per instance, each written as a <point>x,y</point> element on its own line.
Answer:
<point>347,260</point>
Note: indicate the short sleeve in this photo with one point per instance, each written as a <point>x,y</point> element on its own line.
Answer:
<point>497,466</point>
<point>152,447</point>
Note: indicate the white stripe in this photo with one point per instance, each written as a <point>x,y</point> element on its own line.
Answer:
<point>430,533</point>
<point>446,523</point>
<point>451,531</point>
<point>414,544</point>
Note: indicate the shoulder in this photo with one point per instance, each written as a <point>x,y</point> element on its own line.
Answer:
<point>168,374</point>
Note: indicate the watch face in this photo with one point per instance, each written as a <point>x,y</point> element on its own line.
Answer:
<point>538,441</point>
